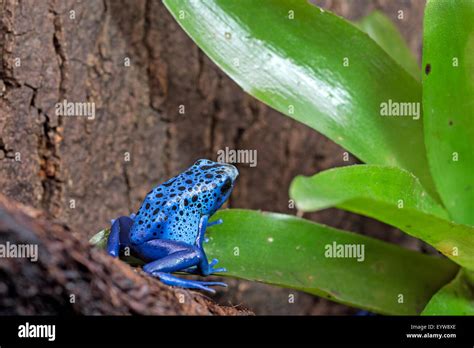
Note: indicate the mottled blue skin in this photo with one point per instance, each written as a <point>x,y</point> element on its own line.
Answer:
<point>168,230</point>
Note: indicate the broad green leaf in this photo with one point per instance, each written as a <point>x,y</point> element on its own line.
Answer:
<point>381,29</point>
<point>448,101</point>
<point>291,252</point>
<point>455,298</point>
<point>391,195</point>
<point>316,68</point>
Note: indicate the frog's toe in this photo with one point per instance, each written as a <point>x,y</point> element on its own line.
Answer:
<point>215,270</point>
<point>215,284</point>
<point>213,223</point>
<point>172,280</point>
<point>218,270</point>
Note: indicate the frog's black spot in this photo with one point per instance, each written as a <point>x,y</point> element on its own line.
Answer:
<point>177,218</point>
<point>140,222</point>
<point>210,166</point>
<point>181,188</point>
<point>154,233</point>
<point>218,176</point>
<point>169,183</point>
<point>206,200</point>
<point>159,195</point>
<point>173,195</point>
<point>185,202</point>
<point>220,172</point>
<point>158,226</point>
<point>156,211</point>
<point>174,207</point>
<point>189,172</point>
<point>164,202</point>
<point>209,176</point>
<point>189,182</point>
<point>195,198</point>
<point>147,206</point>
<point>181,212</point>
<point>148,226</point>
<point>199,205</point>
<point>427,69</point>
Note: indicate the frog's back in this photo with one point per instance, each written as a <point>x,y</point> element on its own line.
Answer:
<point>173,209</point>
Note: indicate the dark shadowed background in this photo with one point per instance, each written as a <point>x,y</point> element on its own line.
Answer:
<point>77,169</point>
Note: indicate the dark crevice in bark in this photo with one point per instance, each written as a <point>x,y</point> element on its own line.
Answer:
<point>5,153</point>
<point>48,144</point>
<point>7,42</point>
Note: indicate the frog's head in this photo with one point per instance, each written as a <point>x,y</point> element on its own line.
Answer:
<point>219,179</point>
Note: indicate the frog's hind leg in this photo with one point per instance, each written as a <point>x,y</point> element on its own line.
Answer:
<point>119,235</point>
<point>178,261</point>
<point>172,280</point>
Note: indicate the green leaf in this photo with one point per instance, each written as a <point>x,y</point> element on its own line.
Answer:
<point>297,66</point>
<point>448,101</point>
<point>391,195</point>
<point>100,239</point>
<point>381,29</point>
<point>291,252</point>
<point>455,298</point>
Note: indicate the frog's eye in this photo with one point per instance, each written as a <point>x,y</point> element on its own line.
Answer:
<point>227,185</point>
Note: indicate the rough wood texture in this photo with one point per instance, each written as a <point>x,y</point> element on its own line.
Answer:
<point>69,277</point>
<point>76,169</point>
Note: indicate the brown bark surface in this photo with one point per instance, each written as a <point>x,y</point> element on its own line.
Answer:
<point>77,170</point>
<point>70,277</point>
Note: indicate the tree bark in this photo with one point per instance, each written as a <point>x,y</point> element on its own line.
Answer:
<point>70,277</point>
<point>83,172</point>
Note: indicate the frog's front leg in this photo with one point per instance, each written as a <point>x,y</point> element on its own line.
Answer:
<point>204,266</point>
<point>213,223</point>
<point>119,234</point>
<point>203,225</point>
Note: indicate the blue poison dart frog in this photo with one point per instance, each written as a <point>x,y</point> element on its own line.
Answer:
<point>168,230</point>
